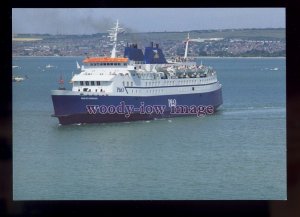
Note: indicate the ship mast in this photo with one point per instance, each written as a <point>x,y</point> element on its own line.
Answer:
<point>113,34</point>
<point>188,39</point>
<point>186,46</point>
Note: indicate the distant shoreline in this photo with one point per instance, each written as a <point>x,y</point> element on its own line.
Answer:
<point>198,57</point>
<point>207,57</point>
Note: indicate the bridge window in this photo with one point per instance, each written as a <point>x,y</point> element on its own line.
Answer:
<point>87,83</point>
<point>81,83</point>
<point>131,84</point>
<point>98,83</point>
<point>92,83</point>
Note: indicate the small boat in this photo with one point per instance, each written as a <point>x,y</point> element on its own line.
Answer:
<point>49,66</point>
<point>17,78</point>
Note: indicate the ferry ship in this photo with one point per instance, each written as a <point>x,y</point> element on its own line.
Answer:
<point>137,86</point>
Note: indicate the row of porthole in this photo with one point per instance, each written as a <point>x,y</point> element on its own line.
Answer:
<point>161,90</point>
<point>187,82</point>
<point>89,90</point>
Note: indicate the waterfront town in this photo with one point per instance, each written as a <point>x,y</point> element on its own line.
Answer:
<point>233,43</point>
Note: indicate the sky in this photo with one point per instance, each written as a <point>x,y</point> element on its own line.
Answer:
<point>91,21</point>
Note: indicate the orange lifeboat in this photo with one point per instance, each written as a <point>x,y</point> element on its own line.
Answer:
<point>105,60</point>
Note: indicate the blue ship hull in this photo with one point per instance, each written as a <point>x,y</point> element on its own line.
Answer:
<point>71,109</point>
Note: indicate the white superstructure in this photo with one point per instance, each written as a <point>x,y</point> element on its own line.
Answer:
<point>121,76</point>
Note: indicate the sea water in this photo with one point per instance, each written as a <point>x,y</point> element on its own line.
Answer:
<point>237,153</point>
